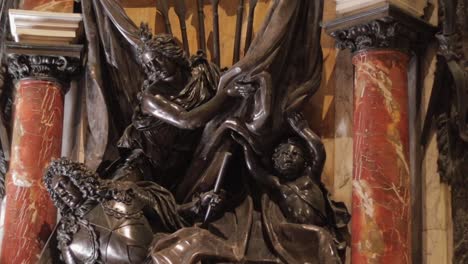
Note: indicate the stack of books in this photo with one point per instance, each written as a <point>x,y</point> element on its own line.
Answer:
<point>39,27</point>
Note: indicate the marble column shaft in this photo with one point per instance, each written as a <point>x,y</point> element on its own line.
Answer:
<point>40,82</point>
<point>381,179</point>
<point>386,195</point>
<point>36,139</point>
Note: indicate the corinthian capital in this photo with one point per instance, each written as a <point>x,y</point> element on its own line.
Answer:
<point>386,26</point>
<point>375,34</point>
<point>38,66</point>
<point>42,61</point>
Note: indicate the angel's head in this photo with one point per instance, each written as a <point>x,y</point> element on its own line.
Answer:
<point>289,159</point>
<point>162,57</point>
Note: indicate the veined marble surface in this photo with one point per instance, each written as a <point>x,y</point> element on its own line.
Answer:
<point>437,215</point>
<point>416,7</point>
<point>30,215</point>
<point>65,6</point>
<point>381,178</point>
<point>437,234</point>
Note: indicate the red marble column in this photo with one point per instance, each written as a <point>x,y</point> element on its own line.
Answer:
<point>37,136</point>
<point>381,178</point>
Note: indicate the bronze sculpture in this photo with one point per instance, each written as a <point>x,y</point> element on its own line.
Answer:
<point>103,222</point>
<point>179,82</point>
<point>448,109</point>
<point>107,221</point>
<point>298,189</point>
<point>281,70</point>
<point>208,138</point>
<point>294,204</point>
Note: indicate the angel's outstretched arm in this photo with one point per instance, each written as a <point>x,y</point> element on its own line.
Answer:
<point>176,115</point>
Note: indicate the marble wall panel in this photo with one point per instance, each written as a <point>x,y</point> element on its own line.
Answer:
<point>437,220</point>
<point>65,6</point>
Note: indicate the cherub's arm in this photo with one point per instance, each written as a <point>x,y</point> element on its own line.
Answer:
<point>255,168</point>
<point>314,144</point>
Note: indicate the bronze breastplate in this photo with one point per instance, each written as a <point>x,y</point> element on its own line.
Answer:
<point>119,239</point>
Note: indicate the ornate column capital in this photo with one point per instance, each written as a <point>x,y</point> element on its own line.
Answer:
<point>384,27</point>
<point>386,33</point>
<point>60,63</point>
<point>39,66</point>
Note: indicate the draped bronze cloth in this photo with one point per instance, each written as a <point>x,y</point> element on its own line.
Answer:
<point>112,78</point>
<point>248,236</point>
<point>287,49</point>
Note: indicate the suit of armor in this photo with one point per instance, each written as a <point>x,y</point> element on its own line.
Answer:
<point>107,221</point>
<point>111,232</point>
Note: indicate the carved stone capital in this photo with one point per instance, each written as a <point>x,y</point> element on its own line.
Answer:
<point>59,62</point>
<point>375,34</point>
<point>383,27</point>
<point>40,66</point>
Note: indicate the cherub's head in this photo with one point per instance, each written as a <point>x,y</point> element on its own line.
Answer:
<point>161,56</point>
<point>289,159</point>
<point>71,185</point>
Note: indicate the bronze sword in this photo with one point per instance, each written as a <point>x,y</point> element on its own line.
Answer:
<point>219,182</point>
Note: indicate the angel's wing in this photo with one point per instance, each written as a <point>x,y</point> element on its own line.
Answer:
<point>113,76</point>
